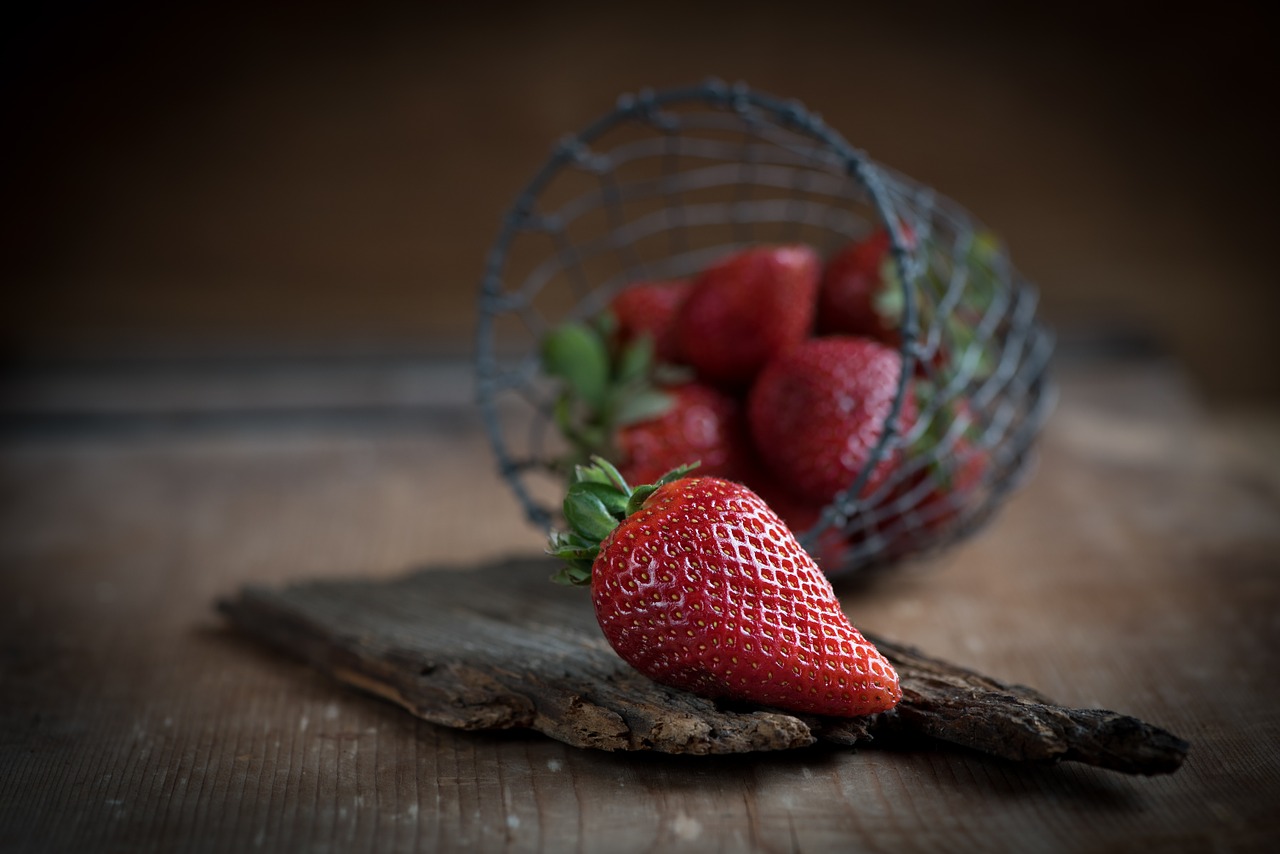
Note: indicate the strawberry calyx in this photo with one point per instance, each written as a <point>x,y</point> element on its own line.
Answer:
<point>597,500</point>
<point>604,385</point>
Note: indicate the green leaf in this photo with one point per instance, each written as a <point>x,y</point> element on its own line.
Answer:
<point>570,547</point>
<point>585,436</point>
<point>577,354</point>
<point>641,493</point>
<point>614,501</point>
<point>567,420</point>
<point>644,405</point>
<point>587,515</point>
<point>570,554</point>
<point>614,475</point>
<point>575,574</point>
<point>639,496</point>
<point>635,360</point>
<point>677,473</point>
<point>605,324</point>
<point>568,540</point>
<point>589,474</point>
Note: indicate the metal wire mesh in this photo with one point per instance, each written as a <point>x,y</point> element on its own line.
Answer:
<point>670,181</point>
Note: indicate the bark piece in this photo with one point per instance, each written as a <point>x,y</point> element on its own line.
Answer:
<point>501,647</point>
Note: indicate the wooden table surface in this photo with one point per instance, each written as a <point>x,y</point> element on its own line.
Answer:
<point>1138,571</point>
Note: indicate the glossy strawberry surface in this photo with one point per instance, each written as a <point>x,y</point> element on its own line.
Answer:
<point>831,548</point>
<point>817,412</point>
<point>704,588</point>
<point>746,309</point>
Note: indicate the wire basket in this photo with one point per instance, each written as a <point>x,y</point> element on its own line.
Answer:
<point>669,182</point>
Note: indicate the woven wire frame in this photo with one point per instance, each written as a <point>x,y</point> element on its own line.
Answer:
<point>671,181</point>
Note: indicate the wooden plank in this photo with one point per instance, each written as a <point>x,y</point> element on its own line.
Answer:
<point>501,647</point>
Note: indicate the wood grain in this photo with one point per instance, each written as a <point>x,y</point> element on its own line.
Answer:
<point>501,647</point>
<point>1138,571</point>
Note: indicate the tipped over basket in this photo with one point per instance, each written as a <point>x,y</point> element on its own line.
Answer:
<point>670,183</point>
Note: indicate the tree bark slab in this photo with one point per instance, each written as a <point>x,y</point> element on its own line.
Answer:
<point>500,647</point>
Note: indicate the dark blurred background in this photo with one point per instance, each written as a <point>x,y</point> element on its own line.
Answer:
<point>233,181</point>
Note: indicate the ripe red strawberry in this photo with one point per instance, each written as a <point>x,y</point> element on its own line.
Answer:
<point>747,308</point>
<point>649,308</point>
<point>849,298</point>
<point>817,412</point>
<point>701,424</point>
<point>832,548</point>
<point>699,585</point>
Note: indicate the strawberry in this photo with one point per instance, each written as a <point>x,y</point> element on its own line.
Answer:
<point>747,308</point>
<point>832,547</point>
<point>850,298</point>
<point>701,423</point>
<point>699,585</point>
<point>649,308</point>
<point>817,412</point>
